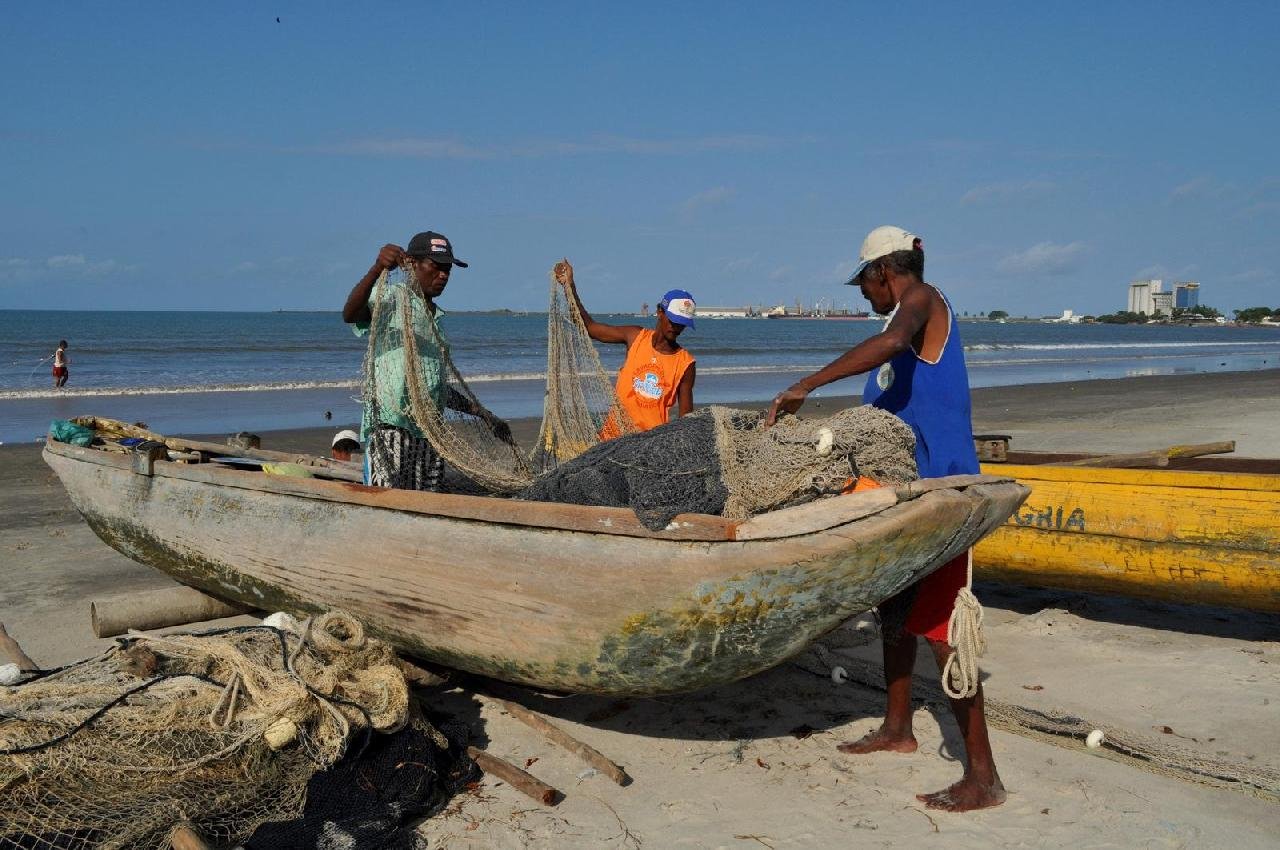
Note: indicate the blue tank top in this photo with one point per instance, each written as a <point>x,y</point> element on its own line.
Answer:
<point>933,398</point>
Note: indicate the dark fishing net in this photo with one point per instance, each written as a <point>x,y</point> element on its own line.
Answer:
<point>670,470</point>
<point>724,462</point>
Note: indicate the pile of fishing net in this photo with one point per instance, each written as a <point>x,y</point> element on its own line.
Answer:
<point>723,461</point>
<point>716,461</point>
<point>223,730</point>
<point>409,376</point>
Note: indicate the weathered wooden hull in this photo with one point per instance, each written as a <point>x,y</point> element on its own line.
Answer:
<point>560,597</point>
<point>1206,536</point>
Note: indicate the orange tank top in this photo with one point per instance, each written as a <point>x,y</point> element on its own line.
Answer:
<point>647,382</point>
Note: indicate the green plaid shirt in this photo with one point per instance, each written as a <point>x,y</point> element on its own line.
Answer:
<point>388,361</point>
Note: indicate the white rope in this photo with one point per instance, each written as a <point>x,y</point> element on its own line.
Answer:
<point>964,634</point>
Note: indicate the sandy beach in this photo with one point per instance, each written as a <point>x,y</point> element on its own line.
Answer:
<point>754,764</point>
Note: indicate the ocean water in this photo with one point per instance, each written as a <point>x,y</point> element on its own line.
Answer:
<point>210,372</point>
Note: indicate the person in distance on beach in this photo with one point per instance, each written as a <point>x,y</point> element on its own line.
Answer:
<point>658,373</point>
<point>60,362</point>
<point>917,372</point>
<point>397,454</point>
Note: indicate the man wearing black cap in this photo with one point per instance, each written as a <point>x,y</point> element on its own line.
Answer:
<point>397,453</point>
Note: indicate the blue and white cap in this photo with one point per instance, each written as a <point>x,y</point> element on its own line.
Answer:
<point>679,307</point>
<point>881,242</point>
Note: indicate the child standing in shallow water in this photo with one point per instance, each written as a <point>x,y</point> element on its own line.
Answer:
<point>60,361</point>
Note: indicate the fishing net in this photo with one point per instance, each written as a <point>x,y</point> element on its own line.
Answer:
<point>223,730</point>
<point>723,461</point>
<point>716,461</point>
<point>410,381</point>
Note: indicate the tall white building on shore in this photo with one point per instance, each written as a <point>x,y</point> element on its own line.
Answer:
<point>1142,296</point>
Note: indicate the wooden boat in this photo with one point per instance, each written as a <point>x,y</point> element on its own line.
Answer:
<point>1202,530</point>
<point>562,597</point>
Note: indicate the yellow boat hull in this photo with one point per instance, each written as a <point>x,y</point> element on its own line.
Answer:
<point>1205,537</point>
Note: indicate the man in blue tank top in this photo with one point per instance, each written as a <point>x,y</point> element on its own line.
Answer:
<point>917,372</point>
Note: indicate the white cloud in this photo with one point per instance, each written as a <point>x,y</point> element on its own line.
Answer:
<point>1255,275</point>
<point>1200,188</point>
<point>66,261</point>
<point>1045,258</point>
<point>1008,191</point>
<point>738,265</point>
<point>713,197</point>
<point>62,266</point>
<point>781,274</point>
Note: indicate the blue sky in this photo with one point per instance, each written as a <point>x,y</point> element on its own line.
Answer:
<point>205,156</point>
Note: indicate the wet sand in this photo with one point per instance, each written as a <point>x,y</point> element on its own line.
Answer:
<point>754,764</point>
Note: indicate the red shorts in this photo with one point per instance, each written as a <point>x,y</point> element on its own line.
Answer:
<point>936,593</point>
<point>936,598</point>
<point>59,371</point>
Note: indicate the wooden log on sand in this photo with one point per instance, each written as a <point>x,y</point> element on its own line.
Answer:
<point>156,609</point>
<point>11,653</point>
<point>558,736</point>
<point>515,777</point>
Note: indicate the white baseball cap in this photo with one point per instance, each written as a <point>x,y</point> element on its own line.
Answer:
<point>882,241</point>
<point>345,435</point>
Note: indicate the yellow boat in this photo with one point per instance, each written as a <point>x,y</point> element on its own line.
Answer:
<point>1199,530</point>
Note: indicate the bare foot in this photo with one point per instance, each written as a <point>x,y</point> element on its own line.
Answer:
<point>880,741</point>
<point>965,796</point>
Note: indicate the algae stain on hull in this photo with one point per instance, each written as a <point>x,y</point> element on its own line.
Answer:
<point>734,628</point>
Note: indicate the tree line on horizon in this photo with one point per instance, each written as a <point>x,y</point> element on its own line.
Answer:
<point>1244,315</point>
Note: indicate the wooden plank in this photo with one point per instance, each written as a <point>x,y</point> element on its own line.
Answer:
<point>1174,572</point>
<point>1159,457</point>
<point>925,485</point>
<point>816,516</point>
<point>617,521</point>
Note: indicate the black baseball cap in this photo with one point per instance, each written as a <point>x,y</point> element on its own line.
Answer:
<point>435,247</point>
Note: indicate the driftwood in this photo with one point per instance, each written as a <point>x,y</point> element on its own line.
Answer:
<point>156,609</point>
<point>515,777</point>
<point>1157,457</point>
<point>13,653</point>
<point>558,736</point>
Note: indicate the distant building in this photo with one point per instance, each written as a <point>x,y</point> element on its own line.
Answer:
<point>1186,295</point>
<point>1141,296</point>
<point>1068,317</point>
<point>724,312</point>
<point>1162,304</point>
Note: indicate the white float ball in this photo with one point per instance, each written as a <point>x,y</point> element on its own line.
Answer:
<point>839,675</point>
<point>826,439</point>
<point>1095,739</point>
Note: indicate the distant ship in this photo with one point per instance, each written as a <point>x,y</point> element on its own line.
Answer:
<point>844,317</point>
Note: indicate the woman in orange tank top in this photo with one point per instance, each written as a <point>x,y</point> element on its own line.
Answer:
<point>658,373</point>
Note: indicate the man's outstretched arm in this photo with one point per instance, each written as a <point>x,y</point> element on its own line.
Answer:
<point>598,331</point>
<point>913,312</point>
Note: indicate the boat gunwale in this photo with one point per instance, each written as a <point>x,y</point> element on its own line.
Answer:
<point>814,517</point>
<point>1144,476</point>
